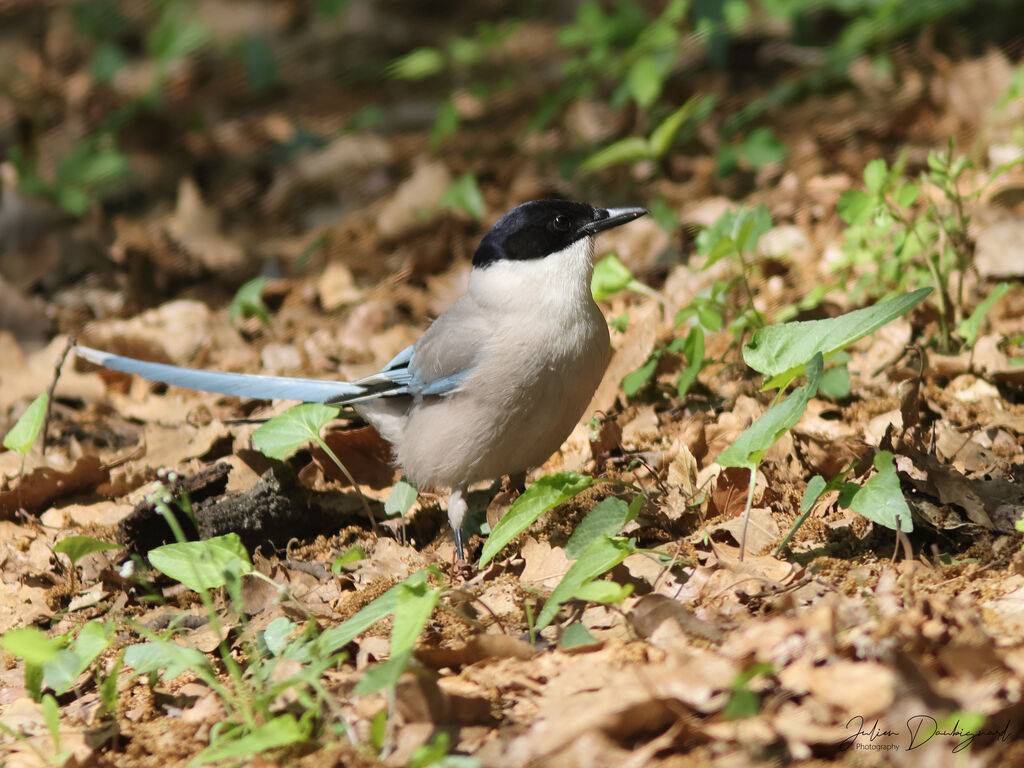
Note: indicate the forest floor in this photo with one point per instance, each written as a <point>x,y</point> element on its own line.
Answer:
<point>850,645</point>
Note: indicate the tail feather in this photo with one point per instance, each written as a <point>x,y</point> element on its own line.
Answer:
<point>239,384</point>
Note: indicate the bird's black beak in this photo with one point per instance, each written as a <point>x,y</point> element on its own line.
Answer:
<point>612,217</point>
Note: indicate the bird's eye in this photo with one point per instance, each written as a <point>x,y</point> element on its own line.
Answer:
<point>561,223</point>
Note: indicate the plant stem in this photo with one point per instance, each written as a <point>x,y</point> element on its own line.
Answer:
<point>746,512</point>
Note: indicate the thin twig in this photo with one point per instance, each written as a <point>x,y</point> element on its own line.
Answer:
<point>53,385</point>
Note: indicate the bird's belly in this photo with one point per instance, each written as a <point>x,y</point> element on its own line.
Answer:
<point>468,436</point>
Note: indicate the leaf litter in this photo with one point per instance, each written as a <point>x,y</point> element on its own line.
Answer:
<point>711,658</point>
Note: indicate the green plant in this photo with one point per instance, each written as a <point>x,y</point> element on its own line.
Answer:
<point>744,702</point>
<point>624,48</point>
<point>23,434</point>
<point>248,301</point>
<point>282,435</point>
<point>464,194</point>
<point>783,352</point>
<point>759,149</point>
<point>458,57</point>
<point>77,547</point>
<point>90,170</point>
<point>544,494</point>
<point>594,549</point>
<point>733,236</point>
<point>254,682</point>
<point>899,237</point>
<point>56,663</point>
<point>655,147</point>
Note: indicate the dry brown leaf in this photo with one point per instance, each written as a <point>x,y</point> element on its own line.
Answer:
<point>173,332</point>
<point>44,485</point>
<point>477,648</point>
<point>195,227</point>
<point>414,204</point>
<point>545,565</point>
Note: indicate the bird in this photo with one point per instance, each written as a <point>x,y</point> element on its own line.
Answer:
<point>496,383</point>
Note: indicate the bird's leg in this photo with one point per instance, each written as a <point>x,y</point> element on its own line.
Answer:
<point>457,508</point>
<point>517,482</point>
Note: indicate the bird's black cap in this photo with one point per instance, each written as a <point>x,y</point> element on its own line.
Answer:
<point>536,229</point>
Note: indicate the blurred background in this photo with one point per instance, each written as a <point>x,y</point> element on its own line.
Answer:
<point>159,150</point>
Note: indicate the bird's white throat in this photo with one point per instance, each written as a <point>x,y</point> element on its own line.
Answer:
<point>559,280</point>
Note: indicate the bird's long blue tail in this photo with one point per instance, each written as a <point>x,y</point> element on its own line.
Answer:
<point>239,384</point>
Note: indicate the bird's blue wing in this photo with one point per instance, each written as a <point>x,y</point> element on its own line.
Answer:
<point>444,385</point>
<point>401,376</point>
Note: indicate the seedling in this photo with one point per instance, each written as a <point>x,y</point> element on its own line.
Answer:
<point>248,301</point>
<point>282,435</point>
<point>912,239</point>
<point>781,353</point>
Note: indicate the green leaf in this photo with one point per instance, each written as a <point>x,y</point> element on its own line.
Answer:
<point>835,382</point>
<point>610,277</point>
<point>661,138</point>
<point>905,195</point>
<point>77,547</point>
<point>464,194</point>
<point>283,435</point>
<point>248,301</point>
<point>51,716</point>
<point>747,449</point>
<point>607,592</point>
<point>600,556</point>
<point>91,163</point>
<point>968,330</point>
<point>431,754</point>
<point>881,499</point>
<point>383,676</point>
<point>31,645</point>
<point>446,123</point>
<point>273,734</point>
<point>336,638</point>
<point>354,555</point>
<point>177,34</point>
<point>202,565</point>
<point>644,81</point>
<point>417,64</point>
<point>575,636</point>
<point>748,227</point>
<point>812,493</point>
<point>636,380</point>
<point>414,602</point>
<point>733,231</point>
<point>875,174</point>
<point>546,493</point>
<point>261,70</point>
<point>743,703</point>
<point>26,429</point>
<point>856,206</point>
<point>330,8</point>
<point>401,498</point>
<point>413,605</point>
<point>605,519</point>
<point>173,659</point>
<point>276,635</point>
<point>762,148</point>
<point>628,150</point>
<point>780,351</point>
<point>61,672</point>
<point>74,200</point>
<point>694,351</point>
<point>815,487</point>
